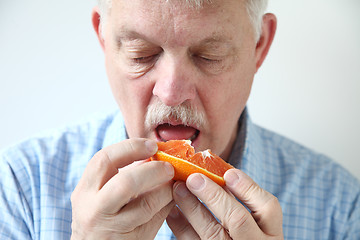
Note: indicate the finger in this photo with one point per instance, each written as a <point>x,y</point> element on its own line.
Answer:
<point>151,228</point>
<point>135,163</point>
<point>201,220</point>
<point>180,227</point>
<point>105,163</point>
<point>264,206</point>
<point>129,184</point>
<point>142,209</point>
<point>232,215</point>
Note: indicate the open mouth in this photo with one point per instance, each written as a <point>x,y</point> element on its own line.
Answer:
<point>167,131</point>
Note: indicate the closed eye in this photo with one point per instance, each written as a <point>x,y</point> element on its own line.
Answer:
<point>207,59</point>
<point>145,59</point>
<point>210,64</point>
<point>211,60</point>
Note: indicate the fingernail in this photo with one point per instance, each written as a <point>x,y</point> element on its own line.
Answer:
<point>231,178</point>
<point>174,213</point>
<point>181,190</point>
<point>196,182</point>
<point>151,146</point>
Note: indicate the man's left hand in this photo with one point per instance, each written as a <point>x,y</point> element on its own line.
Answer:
<point>195,221</point>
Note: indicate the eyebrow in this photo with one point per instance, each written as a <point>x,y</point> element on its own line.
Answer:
<point>214,42</point>
<point>131,35</point>
<point>216,38</point>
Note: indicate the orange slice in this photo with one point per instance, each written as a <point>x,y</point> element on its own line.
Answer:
<point>185,161</point>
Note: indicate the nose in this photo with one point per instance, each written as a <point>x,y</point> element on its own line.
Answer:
<point>174,82</point>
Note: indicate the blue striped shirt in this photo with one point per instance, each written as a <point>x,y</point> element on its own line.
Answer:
<point>319,199</point>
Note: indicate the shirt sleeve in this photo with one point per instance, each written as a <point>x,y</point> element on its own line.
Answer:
<point>16,218</point>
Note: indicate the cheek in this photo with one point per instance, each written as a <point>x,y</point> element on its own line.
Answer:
<point>227,97</point>
<point>131,95</point>
<point>126,90</point>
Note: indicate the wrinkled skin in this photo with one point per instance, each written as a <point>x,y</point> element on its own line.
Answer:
<point>168,52</point>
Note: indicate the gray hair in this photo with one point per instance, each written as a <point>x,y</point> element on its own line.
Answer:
<point>255,9</point>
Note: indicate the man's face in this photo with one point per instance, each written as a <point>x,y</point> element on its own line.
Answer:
<point>166,53</point>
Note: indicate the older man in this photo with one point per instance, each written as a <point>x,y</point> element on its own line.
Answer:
<point>178,70</point>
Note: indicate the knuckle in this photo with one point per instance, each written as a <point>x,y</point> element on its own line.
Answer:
<point>83,219</point>
<point>161,215</point>
<point>73,197</point>
<point>183,229</point>
<point>121,224</point>
<point>89,220</point>
<point>238,219</point>
<point>128,186</point>
<point>249,189</point>
<point>272,207</point>
<point>215,198</point>
<point>273,201</point>
<point>214,231</point>
<point>276,200</point>
<point>125,188</point>
<point>270,204</point>
<point>247,186</point>
<point>147,205</point>
<point>195,208</point>
<point>132,145</point>
<point>101,159</point>
<point>77,195</point>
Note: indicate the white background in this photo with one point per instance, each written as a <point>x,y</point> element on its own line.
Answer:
<point>52,73</point>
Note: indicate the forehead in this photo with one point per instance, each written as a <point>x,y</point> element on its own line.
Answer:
<point>175,21</point>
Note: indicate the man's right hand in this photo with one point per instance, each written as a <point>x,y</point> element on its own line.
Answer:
<point>118,198</point>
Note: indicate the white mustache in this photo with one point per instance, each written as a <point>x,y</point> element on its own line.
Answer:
<point>186,114</point>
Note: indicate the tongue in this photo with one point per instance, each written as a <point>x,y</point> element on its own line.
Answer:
<point>178,132</point>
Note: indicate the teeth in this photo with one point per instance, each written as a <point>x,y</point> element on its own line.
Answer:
<point>192,138</point>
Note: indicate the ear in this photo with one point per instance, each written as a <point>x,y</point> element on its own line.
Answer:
<point>266,38</point>
<point>95,17</point>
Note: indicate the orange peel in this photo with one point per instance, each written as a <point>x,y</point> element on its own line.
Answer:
<point>181,155</point>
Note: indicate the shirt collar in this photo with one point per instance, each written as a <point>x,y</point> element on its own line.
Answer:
<point>247,153</point>
<point>115,131</point>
